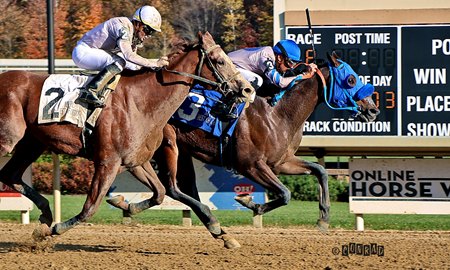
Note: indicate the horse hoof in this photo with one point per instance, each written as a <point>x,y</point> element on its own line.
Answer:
<point>41,232</point>
<point>323,225</point>
<point>116,200</point>
<point>214,228</point>
<point>244,199</point>
<point>230,243</point>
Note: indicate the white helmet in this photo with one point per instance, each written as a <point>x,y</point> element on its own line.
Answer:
<point>148,15</point>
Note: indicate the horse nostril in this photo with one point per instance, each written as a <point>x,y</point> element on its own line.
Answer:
<point>374,111</point>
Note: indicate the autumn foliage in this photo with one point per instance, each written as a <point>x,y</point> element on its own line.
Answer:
<point>76,176</point>
<point>233,23</point>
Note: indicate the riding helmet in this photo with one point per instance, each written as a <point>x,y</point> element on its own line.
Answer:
<point>150,16</point>
<point>288,48</point>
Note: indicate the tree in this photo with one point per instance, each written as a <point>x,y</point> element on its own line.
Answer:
<point>82,16</point>
<point>259,14</point>
<point>232,23</point>
<point>192,16</point>
<point>11,35</point>
<point>35,32</point>
<point>61,26</point>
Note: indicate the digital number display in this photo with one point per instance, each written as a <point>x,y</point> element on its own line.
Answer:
<point>412,58</point>
<point>372,53</point>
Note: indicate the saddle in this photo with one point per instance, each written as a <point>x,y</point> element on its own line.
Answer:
<point>59,101</point>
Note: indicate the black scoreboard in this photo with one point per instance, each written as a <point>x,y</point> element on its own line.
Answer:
<point>408,66</point>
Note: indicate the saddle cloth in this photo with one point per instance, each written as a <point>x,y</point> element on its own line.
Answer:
<point>196,108</point>
<point>58,101</point>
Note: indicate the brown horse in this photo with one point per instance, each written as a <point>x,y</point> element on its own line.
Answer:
<point>127,133</point>
<point>263,145</point>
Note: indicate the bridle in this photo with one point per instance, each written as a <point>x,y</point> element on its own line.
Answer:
<point>222,85</point>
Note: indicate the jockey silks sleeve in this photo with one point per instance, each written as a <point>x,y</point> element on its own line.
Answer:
<point>260,60</point>
<point>114,36</point>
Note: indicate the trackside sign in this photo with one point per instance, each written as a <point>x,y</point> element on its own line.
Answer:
<point>399,186</point>
<point>9,198</point>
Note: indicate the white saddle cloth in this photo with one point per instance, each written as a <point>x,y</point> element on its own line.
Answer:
<point>58,100</point>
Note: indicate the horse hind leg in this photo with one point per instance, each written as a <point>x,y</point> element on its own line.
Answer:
<point>12,129</point>
<point>27,151</point>
<point>296,166</point>
<point>264,176</point>
<point>146,175</point>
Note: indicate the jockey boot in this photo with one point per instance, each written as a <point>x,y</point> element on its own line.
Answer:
<point>93,91</point>
<point>225,111</point>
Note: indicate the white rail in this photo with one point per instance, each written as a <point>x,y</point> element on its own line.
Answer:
<point>38,65</point>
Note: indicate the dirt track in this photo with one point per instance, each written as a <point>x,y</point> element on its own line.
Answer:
<point>176,247</point>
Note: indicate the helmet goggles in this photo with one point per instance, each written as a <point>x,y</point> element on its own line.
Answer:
<point>288,62</point>
<point>147,29</point>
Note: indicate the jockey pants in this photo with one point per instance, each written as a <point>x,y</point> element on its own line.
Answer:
<point>97,59</point>
<point>251,77</point>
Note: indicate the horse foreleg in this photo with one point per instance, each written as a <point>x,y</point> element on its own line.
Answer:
<point>296,166</point>
<point>186,173</point>
<point>171,170</point>
<point>263,175</point>
<point>104,175</point>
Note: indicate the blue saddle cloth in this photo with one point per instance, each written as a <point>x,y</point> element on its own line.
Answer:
<point>195,112</point>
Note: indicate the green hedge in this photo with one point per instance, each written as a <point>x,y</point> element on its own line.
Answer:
<point>306,188</point>
<point>77,173</point>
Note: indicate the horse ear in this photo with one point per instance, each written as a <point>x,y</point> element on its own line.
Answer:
<point>333,58</point>
<point>207,40</point>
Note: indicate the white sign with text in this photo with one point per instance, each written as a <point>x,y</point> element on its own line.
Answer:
<point>399,186</point>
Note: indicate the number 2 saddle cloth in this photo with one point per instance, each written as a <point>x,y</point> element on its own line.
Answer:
<point>59,100</point>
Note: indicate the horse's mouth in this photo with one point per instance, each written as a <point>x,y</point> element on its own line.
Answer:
<point>368,115</point>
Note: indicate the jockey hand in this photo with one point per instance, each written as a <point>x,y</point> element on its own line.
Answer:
<point>311,72</point>
<point>313,67</point>
<point>162,62</point>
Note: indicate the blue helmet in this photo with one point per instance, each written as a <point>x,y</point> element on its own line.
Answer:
<point>289,49</point>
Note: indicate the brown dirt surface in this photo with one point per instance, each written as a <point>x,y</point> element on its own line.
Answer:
<point>177,247</point>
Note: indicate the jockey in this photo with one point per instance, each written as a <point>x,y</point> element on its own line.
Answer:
<point>274,64</point>
<point>111,46</point>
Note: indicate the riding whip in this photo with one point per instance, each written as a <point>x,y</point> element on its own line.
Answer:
<point>311,33</point>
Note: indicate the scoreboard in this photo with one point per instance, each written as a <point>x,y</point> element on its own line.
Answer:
<point>408,66</point>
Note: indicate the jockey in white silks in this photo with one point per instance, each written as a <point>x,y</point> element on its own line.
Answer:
<point>111,46</point>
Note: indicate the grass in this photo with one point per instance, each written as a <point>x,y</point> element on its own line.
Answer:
<point>297,213</point>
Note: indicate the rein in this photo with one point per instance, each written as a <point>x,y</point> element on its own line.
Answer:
<point>222,85</point>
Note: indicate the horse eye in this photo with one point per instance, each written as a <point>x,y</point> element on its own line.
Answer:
<point>221,62</point>
<point>351,81</point>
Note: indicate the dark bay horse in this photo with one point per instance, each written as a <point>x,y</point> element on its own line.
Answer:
<point>127,133</point>
<point>263,145</point>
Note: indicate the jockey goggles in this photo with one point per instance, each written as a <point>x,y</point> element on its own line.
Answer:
<point>288,62</point>
<point>148,30</point>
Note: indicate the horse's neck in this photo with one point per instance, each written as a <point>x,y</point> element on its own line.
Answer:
<point>297,105</point>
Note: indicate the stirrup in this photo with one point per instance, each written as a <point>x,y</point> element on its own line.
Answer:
<point>90,98</point>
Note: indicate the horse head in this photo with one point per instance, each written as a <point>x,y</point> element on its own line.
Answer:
<point>232,82</point>
<point>347,92</point>
<point>213,68</point>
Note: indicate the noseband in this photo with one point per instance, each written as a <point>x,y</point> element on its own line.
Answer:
<point>222,84</point>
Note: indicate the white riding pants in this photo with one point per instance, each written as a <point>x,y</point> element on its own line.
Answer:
<point>96,59</point>
<point>251,77</point>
